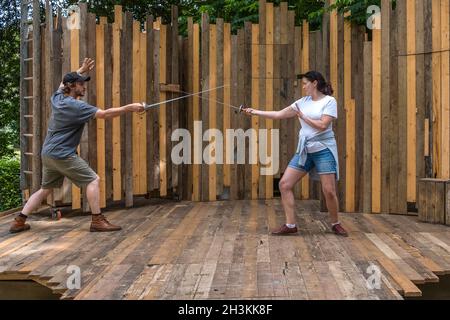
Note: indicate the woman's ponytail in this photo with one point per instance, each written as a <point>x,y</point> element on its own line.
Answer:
<point>322,85</point>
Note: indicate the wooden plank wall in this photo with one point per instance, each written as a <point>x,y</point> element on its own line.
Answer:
<point>393,124</point>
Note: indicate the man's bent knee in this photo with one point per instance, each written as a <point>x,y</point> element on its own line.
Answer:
<point>95,182</point>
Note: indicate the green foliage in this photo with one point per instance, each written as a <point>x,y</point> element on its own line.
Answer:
<point>9,81</point>
<point>10,196</point>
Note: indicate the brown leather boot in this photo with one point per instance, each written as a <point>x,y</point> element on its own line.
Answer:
<point>19,225</point>
<point>100,224</point>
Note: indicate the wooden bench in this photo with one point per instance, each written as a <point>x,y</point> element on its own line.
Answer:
<point>434,201</point>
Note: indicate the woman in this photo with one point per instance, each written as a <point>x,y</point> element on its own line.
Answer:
<point>316,152</point>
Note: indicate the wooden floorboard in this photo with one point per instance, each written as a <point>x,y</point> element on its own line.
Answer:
<point>224,250</point>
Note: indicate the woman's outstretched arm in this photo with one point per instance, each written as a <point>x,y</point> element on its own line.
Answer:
<point>286,113</point>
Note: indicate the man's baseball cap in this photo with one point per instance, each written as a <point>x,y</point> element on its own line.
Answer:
<point>72,77</point>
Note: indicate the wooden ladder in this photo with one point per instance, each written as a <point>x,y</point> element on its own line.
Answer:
<point>30,81</point>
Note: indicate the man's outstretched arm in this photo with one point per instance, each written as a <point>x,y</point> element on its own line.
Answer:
<point>115,112</point>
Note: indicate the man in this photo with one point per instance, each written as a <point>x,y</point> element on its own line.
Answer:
<point>59,155</point>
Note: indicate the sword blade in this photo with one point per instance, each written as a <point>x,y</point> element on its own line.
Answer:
<point>153,105</point>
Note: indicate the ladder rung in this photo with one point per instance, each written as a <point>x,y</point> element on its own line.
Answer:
<point>28,97</point>
<point>28,116</point>
<point>29,135</point>
<point>28,78</point>
<point>28,154</point>
<point>28,40</point>
<point>28,172</point>
<point>28,59</point>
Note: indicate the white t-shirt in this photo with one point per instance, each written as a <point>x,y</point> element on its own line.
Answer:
<point>314,110</point>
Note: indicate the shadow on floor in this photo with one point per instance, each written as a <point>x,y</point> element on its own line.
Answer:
<point>25,290</point>
<point>435,291</point>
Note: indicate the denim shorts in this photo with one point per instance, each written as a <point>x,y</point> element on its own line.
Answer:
<point>323,161</point>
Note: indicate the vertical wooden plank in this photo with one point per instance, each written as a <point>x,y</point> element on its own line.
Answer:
<point>169,110</point>
<point>255,120</point>
<point>440,202</point>
<point>149,96</point>
<point>269,89</point>
<point>305,68</point>
<point>430,191</point>
<point>367,157</point>
<point>162,112</point>
<point>428,85</point>
<point>262,90</point>
<point>298,60</point>
<point>358,37</point>
<point>319,53</point>
<point>85,137</point>
<point>350,161</point>
<point>402,110</point>
<point>154,114</point>
<point>220,97</point>
<point>212,168</point>
<point>46,69</point>
<point>37,117</point>
<point>118,16</point>
<point>24,109</point>
<point>187,83</point>
<point>74,65</point>
<point>386,90</point>
<point>233,121</point>
<point>226,100</point>
<point>420,96</point>
<point>437,88</point>
<point>326,41</point>
<point>239,121</point>
<point>262,84</point>
<point>143,120</point>
<point>136,118</point>
<point>108,124</point>
<point>205,103</point>
<point>57,62</point>
<point>376,121</point>
<point>100,90</point>
<point>290,84</point>
<point>262,21</point>
<point>116,131</point>
<point>127,72</point>
<point>445,91</point>
<point>280,72</point>
<point>422,200</point>
<point>196,170</point>
<point>66,190</point>
<point>177,178</point>
<point>341,137</point>
<point>393,114</point>
<point>411,100</point>
<point>312,50</point>
<point>247,100</point>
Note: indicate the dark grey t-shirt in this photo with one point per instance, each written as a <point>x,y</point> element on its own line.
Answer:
<point>66,125</point>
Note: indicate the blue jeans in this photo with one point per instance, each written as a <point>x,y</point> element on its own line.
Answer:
<point>323,161</point>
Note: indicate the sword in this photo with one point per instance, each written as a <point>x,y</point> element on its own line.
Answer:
<point>187,95</point>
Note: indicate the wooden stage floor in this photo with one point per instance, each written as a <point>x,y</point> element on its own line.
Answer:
<point>222,250</point>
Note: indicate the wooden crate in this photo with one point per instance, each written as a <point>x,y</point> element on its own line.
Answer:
<point>434,201</point>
